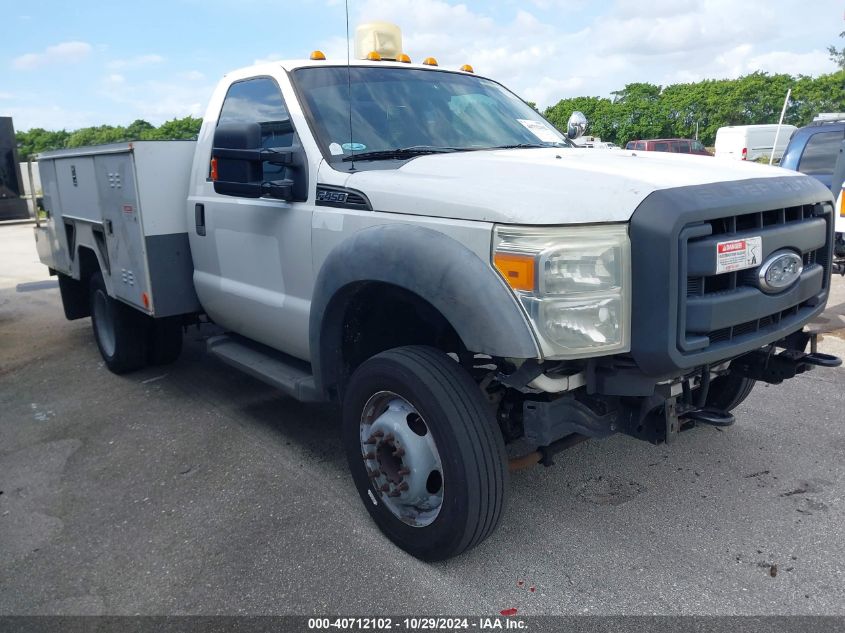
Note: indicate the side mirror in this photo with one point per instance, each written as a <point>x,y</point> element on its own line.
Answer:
<point>577,125</point>
<point>239,157</point>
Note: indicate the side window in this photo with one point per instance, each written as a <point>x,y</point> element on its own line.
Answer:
<point>819,156</point>
<point>661,147</point>
<point>641,146</point>
<point>260,101</point>
<point>697,146</point>
<point>683,147</point>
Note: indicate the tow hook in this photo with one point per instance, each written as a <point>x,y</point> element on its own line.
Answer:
<point>711,416</point>
<point>679,416</point>
<point>775,368</point>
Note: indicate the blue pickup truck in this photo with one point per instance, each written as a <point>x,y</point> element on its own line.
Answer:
<point>818,150</point>
<point>813,149</point>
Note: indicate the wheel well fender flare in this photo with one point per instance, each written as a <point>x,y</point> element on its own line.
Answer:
<point>469,294</point>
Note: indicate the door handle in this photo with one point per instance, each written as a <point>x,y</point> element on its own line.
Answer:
<point>199,217</point>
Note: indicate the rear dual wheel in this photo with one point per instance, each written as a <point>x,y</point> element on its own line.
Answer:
<point>128,339</point>
<point>424,451</point>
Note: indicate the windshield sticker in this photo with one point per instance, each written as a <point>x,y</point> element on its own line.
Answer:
<point>354,147</point>
<point>540,130</point>
<point>335,149</point>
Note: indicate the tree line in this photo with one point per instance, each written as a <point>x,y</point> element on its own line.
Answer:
<point>643,110</point>
<point>639,110</point>
<point>40,140</point>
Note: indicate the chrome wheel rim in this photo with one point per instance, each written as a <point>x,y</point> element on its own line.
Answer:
<point>103,323</point>
<point>401,458</point>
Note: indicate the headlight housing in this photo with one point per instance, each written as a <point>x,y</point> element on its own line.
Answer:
<point>574,282</point>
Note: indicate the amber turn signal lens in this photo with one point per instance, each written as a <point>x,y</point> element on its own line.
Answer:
<point>430,61</point>
<point>402,57</point>
<point>518,270</point>
<point>467,68</point>
<point>318,55</point>
<point>373,56</point>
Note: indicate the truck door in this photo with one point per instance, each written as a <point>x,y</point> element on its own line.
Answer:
<point>252,257</point>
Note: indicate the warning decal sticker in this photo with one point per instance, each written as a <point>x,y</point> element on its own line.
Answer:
<point>738,254</point>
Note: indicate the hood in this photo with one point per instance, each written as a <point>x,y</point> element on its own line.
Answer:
<point>541,186</point>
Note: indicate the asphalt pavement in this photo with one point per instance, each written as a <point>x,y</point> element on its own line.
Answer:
<point>194,489</point>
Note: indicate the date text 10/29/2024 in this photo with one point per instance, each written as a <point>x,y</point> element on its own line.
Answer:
<point>419,623</point>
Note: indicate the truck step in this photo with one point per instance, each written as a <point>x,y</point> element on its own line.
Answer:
<point>288,374</point>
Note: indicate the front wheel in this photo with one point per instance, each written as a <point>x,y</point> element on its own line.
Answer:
<point>425,453</point>
<point>727,392</point>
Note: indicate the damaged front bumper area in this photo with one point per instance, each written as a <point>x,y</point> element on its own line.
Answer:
<point>698,324</point>
<point>672,406</point>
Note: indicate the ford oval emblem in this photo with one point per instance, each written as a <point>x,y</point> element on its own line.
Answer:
<point>780,270</point>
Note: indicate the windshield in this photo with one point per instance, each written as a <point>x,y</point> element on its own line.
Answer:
<point>417,111</point>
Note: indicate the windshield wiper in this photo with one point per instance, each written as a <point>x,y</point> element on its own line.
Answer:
<point>401,153</point>
<point>520,146</point>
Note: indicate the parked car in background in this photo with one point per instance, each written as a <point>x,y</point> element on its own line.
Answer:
<point>751,142</point>
<point>813,149</point>
<point>675,145</point>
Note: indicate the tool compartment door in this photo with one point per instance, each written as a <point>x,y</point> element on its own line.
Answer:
<point>122,225</point>
<point>53,236</point>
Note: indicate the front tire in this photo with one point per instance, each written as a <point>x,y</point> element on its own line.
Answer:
<point>727,392</point>
<point>424,450</point>
<point>120,331</point>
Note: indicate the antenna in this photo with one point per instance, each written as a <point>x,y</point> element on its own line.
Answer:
<point>349,92</point>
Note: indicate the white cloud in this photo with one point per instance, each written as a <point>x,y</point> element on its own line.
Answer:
<point>670,26</point>
<point>138,61</point>
<point>810,63</point>
<point>654,8</point>
<point>159,100</point>
<point>64,53</point>
<point>546,50</point>
<point>267,59</point>
<point>51,117</point>
<point>568,5</point>
<point>6,95</point>
<point>744,59</point>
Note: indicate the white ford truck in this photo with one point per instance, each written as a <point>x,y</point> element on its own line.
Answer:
<point>421,246</point>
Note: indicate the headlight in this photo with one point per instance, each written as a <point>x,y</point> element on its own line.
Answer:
<point>574,283</point>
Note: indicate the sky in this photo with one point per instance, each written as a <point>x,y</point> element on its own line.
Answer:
<point>65,65</point>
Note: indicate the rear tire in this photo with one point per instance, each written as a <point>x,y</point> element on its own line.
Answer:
<point>430,394</point>
<point>120,331</point>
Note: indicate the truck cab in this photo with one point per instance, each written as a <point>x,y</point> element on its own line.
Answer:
<point>422,247</point>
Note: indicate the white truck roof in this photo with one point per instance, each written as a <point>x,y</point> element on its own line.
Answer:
<point>294,64</point>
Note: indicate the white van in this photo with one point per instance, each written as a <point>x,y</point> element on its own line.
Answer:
<point>750,142</point>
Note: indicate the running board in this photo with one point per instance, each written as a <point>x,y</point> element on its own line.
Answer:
<point>288,374</point>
